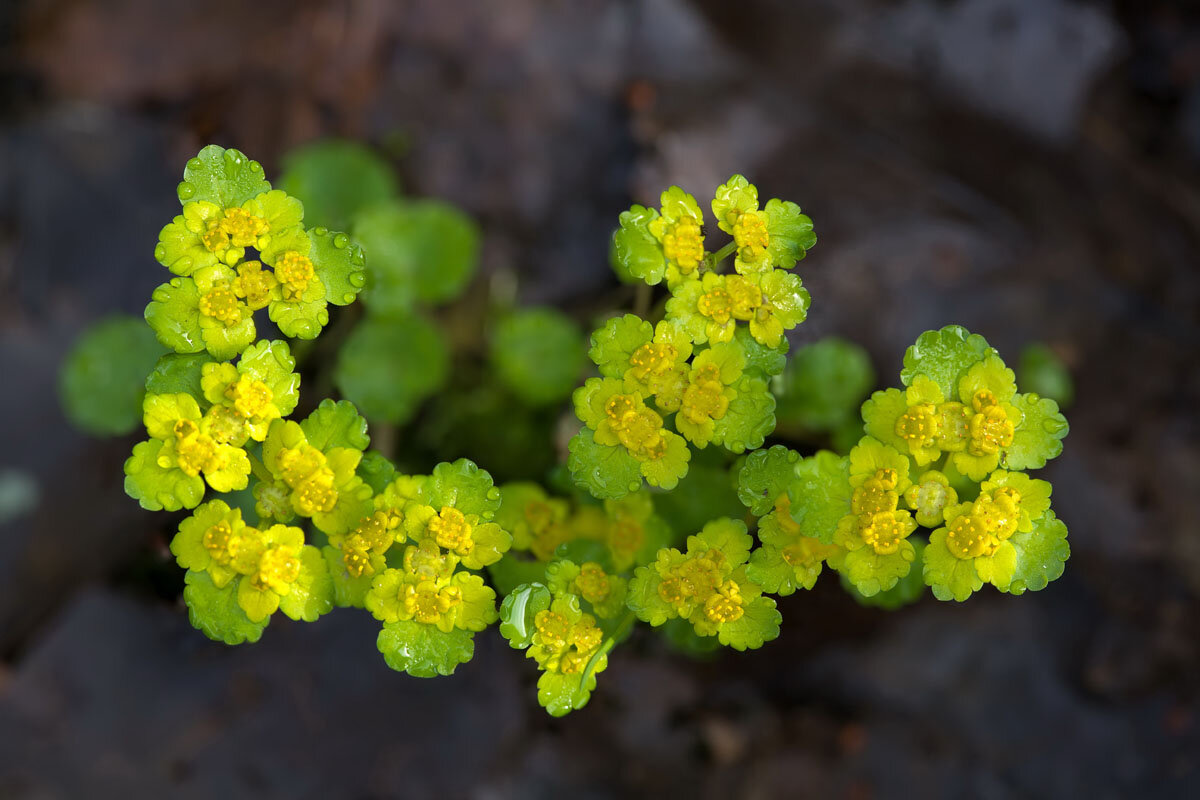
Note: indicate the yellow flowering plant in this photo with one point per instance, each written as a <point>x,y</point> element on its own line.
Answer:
<point>673,509</point>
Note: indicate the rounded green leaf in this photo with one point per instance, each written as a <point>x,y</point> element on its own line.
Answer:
<point>174,314</point>
<point>944,356</point>
<point>311,594</point>
<point>157,488</point>
<point>1041,555</point>
<point>791,233</point>
<point>560,693</point>
<point>765,475</point>
<point>635,249</point>
<point>339,263</point>
<point>908,590</point>
<point>820,494</point>
<point>335,424</point>
<point>422,251</point>
<point>423,651</point>
<point>824,384</point>
<point>466,487</point>
<point>388,366</point>
<point>1039,436</point>
<point>604,472</point>
<point>750,417</point>
<point>616,340</point>
<point>539,354</point>
<point>758,625</point>
<point>101,381</point>
<point>216,613</point>
<point>336,179</point>
<point>949,577</point>
<point>225,177</point>
<point>179,373</point>
<point>518,611</point>
<point>768,360</point>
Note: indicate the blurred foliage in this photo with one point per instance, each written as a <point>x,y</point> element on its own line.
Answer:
<point>336,180</point>
<point>102,380</point>
<point>1040,370</point>
<point>822,387</point>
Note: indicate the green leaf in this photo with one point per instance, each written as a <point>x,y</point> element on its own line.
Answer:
<point>513,570</point>
<point>769,360</point>
<point>613,343</point>
<point>724,534</point>
<point>820,494</point>
<point>464,486</point>
<point>791,233</point>
<point>339,263</point>
<point>423,651</point>
<point>950,578</point>
<point>644,599</point>
<point>908,590</point>
<point>561,694</point>
<point>945,356</point>
<point>101,381</point>
<point>1039,436</point>
<point>757,626</point>
<point>300,320</point>
<point>336,179</point>
<point>749,418</point>
<point>765,475</point>
<point>177,373</point>
<point>539,354</point>
<point>388,367</point>
<point>335,424</point>
<point>376,470</point>
<point>312,593</point>
<point>224,177</point>
<point>682,637</point>
<point>216,613</point>
<point>732,199</point>
<point>1041,555</point>
<point>422,251</point>
<point>636,249</point>
<point>156,488</point>
<point>1041,371</point>
<point>605,472</point>
<point>174,314</point>
<point>518,611</point>
<point>824,384</point>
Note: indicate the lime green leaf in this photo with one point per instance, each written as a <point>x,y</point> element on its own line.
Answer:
<point>539,354</point>
<point>758,625</point>
<point>174,314</point>
<point>732,199</point>
<point>750,417</point>
<point>1041,371</point>
<point>464,486</point>
<point>340,265</point>
<point>156,488</point>
<point>908,590</point>
<point>769,360</point>
<point>300,320</point>
<point>335,425</point>
<point>880,412</point>
<point>177,373</point>
<point>513,570</point>
<point>423,651</point>
<point>872,573</point>
<point>724,534</point>
<point>766,475</point>
<point>376,470</point>
<point>216,613</point>
<point>224,177</point>
<point>1041,554</point>
<point>824,384</point>
<point>422,251</point>
<point>791,233</point>
<point>682,636</point>
<point>666,472</point>
<point>636,249</point>
<point>101,382</point>
<point>616,341</point>
<point>518,610</point>
<point>561,694</point>
<point>605,472</point>
<point>950,578</point>
<point>945,356</point>
<point>1039,436</point>
<point>311,594</point>
<point>388,367</point>
<point>644,599</point>
<point>820,494</point>
<point>336,179</point>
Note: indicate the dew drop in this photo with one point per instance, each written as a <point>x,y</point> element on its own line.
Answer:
<point>635,485</point>
<point>340,241</point>
<point>185,191</point>
<point>358,279</point>
<point>793,457</point>
<point>347,298</point>
<point>194,163</point>
<point>493,494</point>
<point>320,230</point>
<point>323,317</point>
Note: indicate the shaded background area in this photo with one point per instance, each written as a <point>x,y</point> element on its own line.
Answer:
<point>1027,168</point>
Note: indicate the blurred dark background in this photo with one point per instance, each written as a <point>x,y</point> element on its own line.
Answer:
<point>1028,168</point>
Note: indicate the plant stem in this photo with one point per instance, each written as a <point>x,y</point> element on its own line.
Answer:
<point>259,469</point>
<point>716,258</point>
<point>641,299</point>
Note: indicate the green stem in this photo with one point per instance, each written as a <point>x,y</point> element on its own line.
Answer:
<point>641,300</point>
<point>609,643</point>
<point>259,469</point>
<point>716,258</point>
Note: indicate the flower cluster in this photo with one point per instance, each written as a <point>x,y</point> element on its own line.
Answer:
<point>708,586</point>
<point>697,371</point>
<point>951,465</point>
<point>239,246</point>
